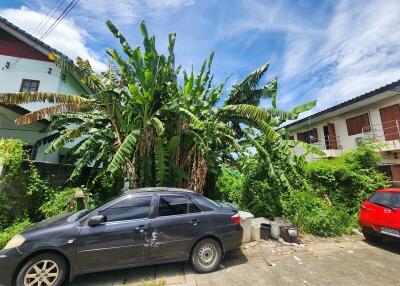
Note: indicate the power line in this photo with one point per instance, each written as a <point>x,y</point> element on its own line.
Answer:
<point>48,16</point>
<point>60,18</point>
<point>64,13</point>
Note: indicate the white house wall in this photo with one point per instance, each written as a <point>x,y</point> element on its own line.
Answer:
<point>10,81</point>
<point>348,142</point>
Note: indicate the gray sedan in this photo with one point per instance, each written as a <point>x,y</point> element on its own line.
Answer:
<point>142,227</point>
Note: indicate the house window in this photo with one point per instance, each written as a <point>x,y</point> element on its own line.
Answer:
<point>29,85</point>
<point>309,136</point>
<point>358,124</point>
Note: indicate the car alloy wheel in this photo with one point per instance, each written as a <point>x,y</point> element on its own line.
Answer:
<point>43,272</point>
<point>207,255</point>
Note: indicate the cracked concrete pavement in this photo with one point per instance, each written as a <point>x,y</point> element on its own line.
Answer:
<point>349,261</point>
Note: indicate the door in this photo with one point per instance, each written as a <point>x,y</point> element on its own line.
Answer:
<point>390,117</point>
<point>179,223</point>
<point>332,136</point>
<point>121,240</point>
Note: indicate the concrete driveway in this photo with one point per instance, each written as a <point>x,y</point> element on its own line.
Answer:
<point>350,261</point>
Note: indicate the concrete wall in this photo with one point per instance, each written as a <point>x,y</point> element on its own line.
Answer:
<point>10,81</point>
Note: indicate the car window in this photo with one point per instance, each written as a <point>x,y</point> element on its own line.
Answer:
<point>175,205</point>
<point>204,201</point>
<point>193,208</point>
<point>390,199</point>
<point>128,209</point>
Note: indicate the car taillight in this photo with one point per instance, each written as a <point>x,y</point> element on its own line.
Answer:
<point>235,218</point>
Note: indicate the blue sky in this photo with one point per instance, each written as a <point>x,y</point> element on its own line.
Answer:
<point>326,50</point>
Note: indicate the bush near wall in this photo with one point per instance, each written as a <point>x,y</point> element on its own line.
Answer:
<point>328,207</point>
<point>349,179</point>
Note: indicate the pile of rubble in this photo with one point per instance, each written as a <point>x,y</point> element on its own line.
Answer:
<point>279,229</point>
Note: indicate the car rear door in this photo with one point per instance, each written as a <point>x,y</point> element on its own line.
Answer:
<point>122,240</point>
<point>179,222</point>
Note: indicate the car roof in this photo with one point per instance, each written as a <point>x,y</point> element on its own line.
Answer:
<point>396,190</point>
<point>157,190</point>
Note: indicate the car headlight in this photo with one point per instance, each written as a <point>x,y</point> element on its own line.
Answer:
<point>14,242</point>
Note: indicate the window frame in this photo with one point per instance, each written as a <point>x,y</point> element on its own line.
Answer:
<point>30,80</point>
<point>120,199</point>
<point>176,215</point>
<point>355,118</point>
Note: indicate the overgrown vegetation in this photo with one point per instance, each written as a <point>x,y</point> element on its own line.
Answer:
<point>26,197</point>
<point>141,123</point>
<point>147,122</point>
<point>322,197</point>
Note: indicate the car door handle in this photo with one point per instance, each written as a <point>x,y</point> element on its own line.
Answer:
<point>141,228</point>
<point>194,221</point>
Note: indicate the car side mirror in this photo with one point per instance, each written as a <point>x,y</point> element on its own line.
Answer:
<point>96,220</point>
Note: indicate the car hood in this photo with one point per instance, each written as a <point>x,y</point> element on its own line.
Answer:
<point>49,223</point>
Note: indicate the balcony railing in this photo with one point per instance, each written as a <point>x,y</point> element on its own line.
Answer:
<point>327,143</point>
<point>386,131</point>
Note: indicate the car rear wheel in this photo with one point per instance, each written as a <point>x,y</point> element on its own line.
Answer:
<point>46,269</point>
<point>372,238</point>
<point>206,256</point>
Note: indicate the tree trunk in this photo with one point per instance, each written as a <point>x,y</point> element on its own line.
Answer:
<point>198,173</point>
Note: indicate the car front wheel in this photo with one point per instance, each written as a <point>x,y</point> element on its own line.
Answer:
<point>46,269</point>
<point>206,256</point>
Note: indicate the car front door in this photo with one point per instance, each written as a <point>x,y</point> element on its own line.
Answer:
<point>120,241</point>
<point>178,224</point>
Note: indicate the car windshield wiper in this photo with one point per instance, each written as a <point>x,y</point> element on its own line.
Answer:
<point>385,206</point>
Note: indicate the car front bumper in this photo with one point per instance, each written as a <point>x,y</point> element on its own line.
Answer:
<point>376,232</point>
<point>9,261</point>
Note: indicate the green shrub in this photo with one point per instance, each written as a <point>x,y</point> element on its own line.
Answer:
<point>12,230</point>
<point>349,179</point>
<point>57,203</point>
<point>313,215</point>
<point>230,185</point>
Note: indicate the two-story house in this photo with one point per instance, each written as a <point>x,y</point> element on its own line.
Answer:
<point>26,65</point>
<point>374,115</point>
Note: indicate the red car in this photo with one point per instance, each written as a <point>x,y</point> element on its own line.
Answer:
<point>380,215</point>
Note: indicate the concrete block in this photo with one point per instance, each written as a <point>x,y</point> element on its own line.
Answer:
<point>245,221</point>
<point>255,232</point>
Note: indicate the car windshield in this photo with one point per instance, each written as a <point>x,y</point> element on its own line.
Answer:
<point>78,215</point>
<point>388,199</point>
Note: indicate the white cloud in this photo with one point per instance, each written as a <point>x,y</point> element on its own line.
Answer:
<point>67,37</point>
<point>359,51</point>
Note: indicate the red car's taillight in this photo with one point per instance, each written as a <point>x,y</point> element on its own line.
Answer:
<point>235,218</point>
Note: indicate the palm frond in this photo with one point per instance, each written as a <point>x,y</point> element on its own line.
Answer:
<point>303,107</point>
<point>249,114</point>
<point>309,148</point>
<point>68,136</point>
<point>16,98</point>
<point>158,125</point>
<point>49,111</point>
<point>124,152</point>
<point>241,91</point>
<point>193,119</point>
<point>117,34</point>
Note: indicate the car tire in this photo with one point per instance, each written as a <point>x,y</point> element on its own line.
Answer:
<point>46,267</point>
<point>372,238</point>
<point>206,255</point>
